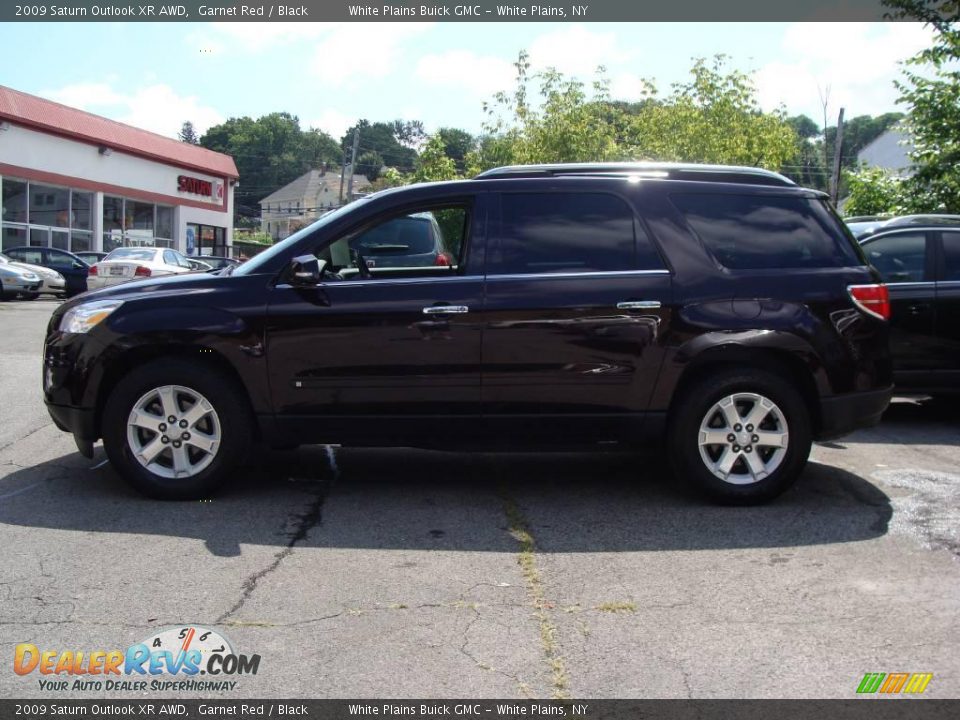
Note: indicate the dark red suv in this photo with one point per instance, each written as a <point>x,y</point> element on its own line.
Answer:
<point>722,313</point>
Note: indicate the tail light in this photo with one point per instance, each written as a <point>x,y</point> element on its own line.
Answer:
<point>142,271</point>
<point>872,299</point>
<point>443,260</point>
<point>93,272</point>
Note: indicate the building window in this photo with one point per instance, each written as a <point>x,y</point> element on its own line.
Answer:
<point>165,222</point>
<point>49,206</point>
<point>42,215</point>
<point>135,223</point>
<point>14,201</point>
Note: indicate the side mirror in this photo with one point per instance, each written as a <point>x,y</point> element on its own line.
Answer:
<point>306,271</point>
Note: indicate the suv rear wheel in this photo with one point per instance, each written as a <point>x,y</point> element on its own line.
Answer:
<point>741,437</point>
<point>175,430</point>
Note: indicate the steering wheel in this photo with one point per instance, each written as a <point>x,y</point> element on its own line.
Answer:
<point>363,267</point>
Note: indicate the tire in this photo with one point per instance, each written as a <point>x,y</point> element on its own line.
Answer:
<point>197,466</point>
<point>29,296</point>
<point>759,474</point>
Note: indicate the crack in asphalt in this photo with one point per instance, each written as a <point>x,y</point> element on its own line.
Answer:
<point>24,437</point>
<point>305,522</point>
<point>519,528</point>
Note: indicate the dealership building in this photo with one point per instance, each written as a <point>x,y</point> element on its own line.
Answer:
<point>77,181</point>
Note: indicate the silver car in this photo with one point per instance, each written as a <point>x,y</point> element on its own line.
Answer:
<point>51,282</point>
<point>15,280</point>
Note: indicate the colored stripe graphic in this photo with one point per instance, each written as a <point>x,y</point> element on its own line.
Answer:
<point>871,682</point>
<point>893,683</point>
<point>918,682</point>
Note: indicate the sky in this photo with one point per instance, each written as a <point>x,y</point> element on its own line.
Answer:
<point>157,75</point>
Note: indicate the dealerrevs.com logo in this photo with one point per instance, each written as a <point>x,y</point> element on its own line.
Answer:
<point>176,659</point>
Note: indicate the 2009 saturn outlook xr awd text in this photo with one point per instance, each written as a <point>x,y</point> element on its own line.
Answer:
<point>723,312</point>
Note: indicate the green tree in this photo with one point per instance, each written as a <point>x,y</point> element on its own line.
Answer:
<point>381,137</point>
<point>370,164</point>
<point>563,126</point>
<point>873,191</point>
<point>270,152</point>
<point>433,163</point>
<point>714,117</point>
<point>457,144</point>
<point>930,90</point>
<point>188,134</point>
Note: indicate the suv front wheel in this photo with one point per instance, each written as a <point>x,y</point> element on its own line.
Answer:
<point>175,430</point>
<point>741,437</point>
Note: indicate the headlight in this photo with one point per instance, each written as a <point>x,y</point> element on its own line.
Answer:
<point>29,276</point>
<point>88,315</point>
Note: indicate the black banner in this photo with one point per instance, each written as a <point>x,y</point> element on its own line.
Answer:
<point>420,11</point>
<point>865,708</point>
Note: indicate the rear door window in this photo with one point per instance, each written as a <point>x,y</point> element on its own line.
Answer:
<point>900,257</point>
<point>951,255</point>
<point>568,233</point>
<point>750,232</point>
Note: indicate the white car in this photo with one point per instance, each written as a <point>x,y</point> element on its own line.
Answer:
<point>134,263</point>
<point>16,280</point>
<point>51,282</point>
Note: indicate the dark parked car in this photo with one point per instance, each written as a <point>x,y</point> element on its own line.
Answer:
<point>723,314</point>
<point>918,257</point>
<point>218,263</point>
<point>73,269</point>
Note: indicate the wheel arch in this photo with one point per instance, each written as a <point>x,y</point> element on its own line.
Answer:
<point>135,357</point>
<point>800,369</point>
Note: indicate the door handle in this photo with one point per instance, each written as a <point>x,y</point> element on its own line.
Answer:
<point>918,308</point>
<point>446,310</point>
<point>639,305</point>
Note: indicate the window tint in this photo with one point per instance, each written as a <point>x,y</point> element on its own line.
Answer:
<point>765,232</point>
<point>951,255</point>
<point>32,257</point>
<point>429,239</point>
<point>59,260</point>
<point>566,232</point>
<point>901,257</point>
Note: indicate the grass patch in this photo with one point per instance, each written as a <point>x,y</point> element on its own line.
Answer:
<point>519,529</point>
<point>617,607</point>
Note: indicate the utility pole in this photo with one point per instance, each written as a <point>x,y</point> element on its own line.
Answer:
<point>837,151</point>
<point>353,163</point>
<point>343,170</point>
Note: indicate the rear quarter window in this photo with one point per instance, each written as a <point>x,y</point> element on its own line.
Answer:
<point>753,232</point>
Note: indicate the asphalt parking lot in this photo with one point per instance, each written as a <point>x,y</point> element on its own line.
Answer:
<point>401,573</point>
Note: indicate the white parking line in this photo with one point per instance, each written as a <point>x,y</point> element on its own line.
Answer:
<point>21,490</point>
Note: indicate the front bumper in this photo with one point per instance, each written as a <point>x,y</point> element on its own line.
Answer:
<point>842,414</point>
<point>16,285</point>
<point>78,422</point>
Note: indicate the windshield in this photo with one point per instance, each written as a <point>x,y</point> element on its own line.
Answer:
<point>252,267</point>
<point>130,254</point>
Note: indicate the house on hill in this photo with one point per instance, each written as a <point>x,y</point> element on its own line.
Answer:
<point>889,151</point>
<point>302,201</point>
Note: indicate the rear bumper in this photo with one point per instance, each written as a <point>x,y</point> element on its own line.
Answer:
<point>842,414</point>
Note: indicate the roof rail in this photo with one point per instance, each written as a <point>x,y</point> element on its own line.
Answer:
<point>669,171</point>
<point>927,219</point>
